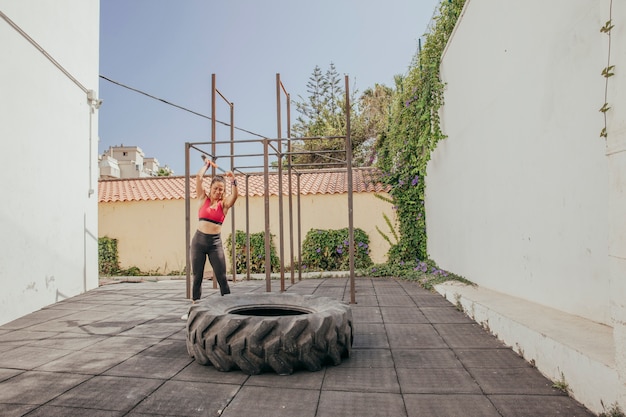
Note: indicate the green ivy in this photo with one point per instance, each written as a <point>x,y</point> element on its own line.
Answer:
<point>412,135</point>
<point>328,250</point>
<point>257,252</point>
<point>108,262</point>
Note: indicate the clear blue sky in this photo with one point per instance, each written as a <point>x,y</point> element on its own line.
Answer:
<point>169,49</point>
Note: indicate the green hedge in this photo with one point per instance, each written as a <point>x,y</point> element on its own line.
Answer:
<point>257,252</point>
<point>328,250</point>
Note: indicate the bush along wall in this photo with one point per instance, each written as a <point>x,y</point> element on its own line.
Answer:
<point>108,262</point>
<point>257,252</point>
<point>328,250</point>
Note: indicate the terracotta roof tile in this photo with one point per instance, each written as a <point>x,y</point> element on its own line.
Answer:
<point>173,188</point>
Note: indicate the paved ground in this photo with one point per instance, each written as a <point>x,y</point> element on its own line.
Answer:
<point>120,350</point>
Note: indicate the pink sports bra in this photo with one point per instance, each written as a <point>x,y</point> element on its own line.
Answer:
<point>213,215</point>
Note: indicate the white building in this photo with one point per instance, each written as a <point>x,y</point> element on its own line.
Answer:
<point>48,125</point>
<point>128,162</point>
<point>525,198</point>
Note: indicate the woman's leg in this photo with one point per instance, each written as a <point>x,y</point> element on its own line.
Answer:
<point>218,262</point>
<point>199,252</point>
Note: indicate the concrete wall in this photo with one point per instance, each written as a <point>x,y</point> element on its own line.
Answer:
<point>517,195</point>
<point>151,234</point>
<point>48,132</point>
<point>616,158</point>
<point>524,197</point>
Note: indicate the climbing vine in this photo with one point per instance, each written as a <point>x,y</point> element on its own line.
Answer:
<point>413,132</point>
<point>608,71</point>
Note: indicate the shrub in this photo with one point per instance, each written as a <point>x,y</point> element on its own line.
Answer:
<point>328,250</point>
<point>108,262</point>
<point>257,252</point>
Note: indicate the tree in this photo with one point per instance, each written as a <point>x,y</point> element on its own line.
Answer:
<point>323,115</point>
<point>164,171</point>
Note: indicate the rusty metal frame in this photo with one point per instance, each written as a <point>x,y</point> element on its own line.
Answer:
<point>276,146</point>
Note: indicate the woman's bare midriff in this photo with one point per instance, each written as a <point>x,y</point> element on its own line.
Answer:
<point>209,228</point>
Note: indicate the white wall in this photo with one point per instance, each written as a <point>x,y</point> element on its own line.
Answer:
<point>48,144</point>
<point>517,195</point>
<point>616,156</point>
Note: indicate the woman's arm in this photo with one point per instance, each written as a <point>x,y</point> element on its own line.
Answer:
<point>229,200</point>
<point>200,193</point>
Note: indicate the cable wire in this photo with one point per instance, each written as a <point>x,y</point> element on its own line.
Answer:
<point>177,106</point>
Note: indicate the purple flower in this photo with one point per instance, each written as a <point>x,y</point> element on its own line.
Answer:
<point>415,180</point>
<point>318,250</point>
<point>339,250</point>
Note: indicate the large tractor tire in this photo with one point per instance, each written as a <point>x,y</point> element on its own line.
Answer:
<point>269,332</point>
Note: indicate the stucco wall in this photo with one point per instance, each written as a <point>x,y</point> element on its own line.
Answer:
<point>517,195</point>
<point>151,234</point>
<point>49,148</point>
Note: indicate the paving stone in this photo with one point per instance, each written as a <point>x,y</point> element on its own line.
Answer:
<point>108,393</point>
<point>301,379</point>
<point>369,328</point>
<point>369,358</point>
<point>366,315</point>
<point>83,362</point>
<point>182,398</point>
<point>371,404</point>
<point>54,411</point>
<point>200,373</point>
<point>538,405</point>
<point>28,357</point>
<point>120,343</point>
<point>430,300</point>
<point>416,336</point>
<point>370,340</point>
<point>23,337</point>
<point>35,318</point>
<point>366,301</point>
<point>402,315</point>
<point>254,401</point>
<point>491,358</point>
<point>68,341</point>
<point>425,358</point>
<point>401,300</point>
<point>150,366</point>
<point>9,373</point>
<point>467,336</point>
<point>361,380</point>
<point>437,381</point>
<point>159,331</point>
<point>446,314</point>
<point>513,381</point>
<point>172,347</point>
<point>451,405</point>
<point>37,387</point>
<point>15,410</point>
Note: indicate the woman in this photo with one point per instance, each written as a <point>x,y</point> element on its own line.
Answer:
<point>207,239</point>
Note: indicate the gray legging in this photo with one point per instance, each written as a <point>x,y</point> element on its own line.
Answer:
<point>202,245</point>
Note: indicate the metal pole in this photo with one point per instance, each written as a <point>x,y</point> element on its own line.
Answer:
<point>266,181</point>
<point>280,187</point>
<point>187,224</point>
<point>350,186</point>
<point>233,240</point>
<point>247,227</point>
<point>299,232</point>
<point>213,139</point>
<point>291,255</point>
